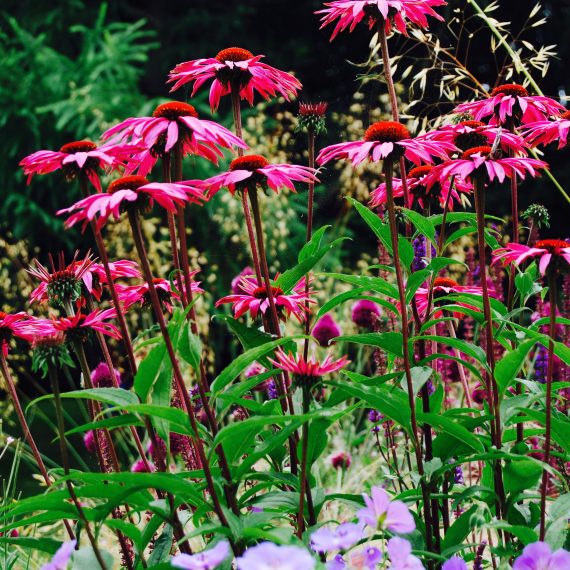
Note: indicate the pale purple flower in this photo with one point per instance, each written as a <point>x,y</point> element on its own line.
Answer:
<point>401,557</point>
<point>205,560</point>
<point>454,563</point>
<point>340,538</point>
<point>539,556</point>
<point>381,513</point>
<point>61,558</point>
<point>366,558</point>
<point>269,556</point>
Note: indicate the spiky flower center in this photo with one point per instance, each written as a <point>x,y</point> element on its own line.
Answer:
<point>78,146</point>
<point>483,150</point>
<point>552,245</point>
<point>313,109</point>
<point>63,286</point>
<point>471,124</point>
<point>512,89</point>
<point>386,131</point>
<point>444,282</point>
<point>261,292</point>
<point>173,110</point>
<point>420,171</point>
<point>565,116</point>
<point>49,342</point>
<point>127,183</point>
<point>234,54</point>
<point>251,162</point>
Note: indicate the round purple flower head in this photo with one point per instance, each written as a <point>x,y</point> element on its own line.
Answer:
<point>365,314</point>
<point>381,513</point>
<point>61,558</point>
<point>101,376</point>
<point>325,330</point>
<point>341,460</point>
<point>269,556</point>
<point>139,467</point>
<point>236,287</point>
<point>89,441</point>
<point>539,556</point>
<point>205,560</point>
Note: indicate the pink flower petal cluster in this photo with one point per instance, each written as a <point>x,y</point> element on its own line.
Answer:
<point>20,325</point>
<point>309,368</point>
<point>97,321</point>
<point>549,252</point>
<point>546,132</point>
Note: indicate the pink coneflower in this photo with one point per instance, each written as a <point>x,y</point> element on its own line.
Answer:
<point>129,295</point>
<point>552,254</point>
<point>78,157</point>
<point>309,370</point>
<point>481,160</point>
<point>387,139</point>
<point>512,101</point>
<point>350,12</point>
<point>238,69</point>
<point>79,325</point>
<point>443,286</point>
<point>130,191</point>
<point>253,171</point>
<point>20,325</point>
<point>254,300</point>
<point>63,283</point>
<point>170,124</point>
<point>419,191</point>
<point>469,134</point>
<point>546,132</point>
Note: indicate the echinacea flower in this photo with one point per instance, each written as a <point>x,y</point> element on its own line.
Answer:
<point>20,325</point>
<point>539,556</point>
<point>254,300</point>
<point>387,139</point>
<point>266,555</point>
<point>78,157</point>
<point>343,537</point>
<point>129,295</point>
<point>49,349</point>
<point>63,283</point>
<point>130,192</point>
<point>235,69</point>
<point>62,557</point>
<point>482,161</point>
<point>401,557</point>
<point>350,12</point>
<point>205,560</point>
<point>79,325</point>
<point>552,254</point>
<point>252,171</point>
<point>546,132</point>
<point>308,371</point>
<point>366,558</point>
<point>311,117</point>
<point>420,192</point>
<point>443,286</point>
<point>382,513</point>
<point>512,101</point>
<point>171,124</point>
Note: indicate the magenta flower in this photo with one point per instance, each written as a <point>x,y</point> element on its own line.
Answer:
<point>350,12</point>
<point>422,192</point>
<point>236,281</point>
<point>401,557</point>
<point>20,325</point>
<point>325,330</point>
<point>101,376</point>
<point>343,537</point>
<point>130,295</point>
<point>78,157</point>
<point>387,139</point>
<point>130,191</point>
<point>255,301</point>
<point>267,555</point>
<point>512,100</point>
<point>365,314</point>
<point>253,171</point>
<point>308,369</point>
<point>366,558</point>
<point>551,253</point>
<point>481,160</point>
<point>539,556</point>
<point>341,460</point>
<point>61,558</point>
<point>80,324</point>
<point>381,513</point>
<point>546,132</point>
<point>172,123</point>
<point>235,68</point>
<point>139,466</point>
<point>89,441</point>
<point>205,560</point>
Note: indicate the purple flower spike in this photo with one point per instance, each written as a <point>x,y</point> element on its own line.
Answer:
<point>539,556</point>
<point>380,513</point>
<point>205,560</point>
<point>267,556</point>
